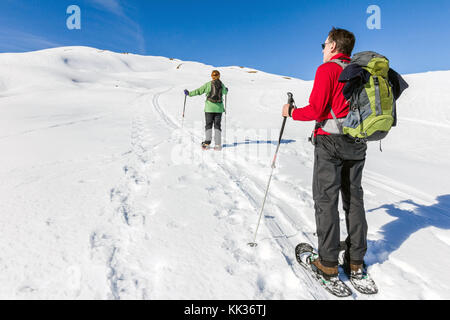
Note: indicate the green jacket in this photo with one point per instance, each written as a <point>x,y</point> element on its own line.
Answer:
<point>210,106</point>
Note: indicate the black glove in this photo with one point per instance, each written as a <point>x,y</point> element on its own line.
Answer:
<point>186,92</point>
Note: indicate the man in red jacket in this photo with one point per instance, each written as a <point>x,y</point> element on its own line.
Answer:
<point>338,162</point>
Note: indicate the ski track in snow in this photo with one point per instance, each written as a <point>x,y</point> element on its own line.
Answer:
<point>402,191</point>
<point>283,219</point>
<point>58,125</point>
<point>427,123</point>
<point>120,242</point>
<point>272,223</point>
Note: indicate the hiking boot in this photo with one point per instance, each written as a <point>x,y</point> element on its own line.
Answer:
<point>352,269</point>
<point>327,272</point>
<point>355,270</point>
<point>218,148</point>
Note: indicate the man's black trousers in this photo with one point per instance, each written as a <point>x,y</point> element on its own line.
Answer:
<point>338,167</point>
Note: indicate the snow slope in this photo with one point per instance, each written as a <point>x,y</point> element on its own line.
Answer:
<point>105,193</point>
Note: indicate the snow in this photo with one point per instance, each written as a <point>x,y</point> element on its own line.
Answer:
<point>105,193</point>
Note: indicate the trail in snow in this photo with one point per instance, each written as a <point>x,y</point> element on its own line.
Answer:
<point>129,213</point>
<point>271,222</point>
<point>105,196</point>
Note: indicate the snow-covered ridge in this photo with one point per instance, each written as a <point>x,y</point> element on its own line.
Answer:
<point>74,65</point>
<point>95,206</point>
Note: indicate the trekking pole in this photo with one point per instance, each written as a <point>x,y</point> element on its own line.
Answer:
<point>184,110</point>
<point>292,103</point>
<point>225,117</point>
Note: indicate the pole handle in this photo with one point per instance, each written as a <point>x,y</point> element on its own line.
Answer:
<point>291,102</point>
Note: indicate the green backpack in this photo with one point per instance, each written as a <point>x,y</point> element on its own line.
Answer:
<point>372,106</point>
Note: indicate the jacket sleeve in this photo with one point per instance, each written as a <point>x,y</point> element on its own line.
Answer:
<point>398,83</point>
<point>199,91</point>
<point>320,97</point>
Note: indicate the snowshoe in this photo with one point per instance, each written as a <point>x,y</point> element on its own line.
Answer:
<point>206,145</point>
<point>358,275</point>
<point>306,255</point>
<point>218,148</point>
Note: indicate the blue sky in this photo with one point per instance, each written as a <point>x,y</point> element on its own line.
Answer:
<point>277,36</point>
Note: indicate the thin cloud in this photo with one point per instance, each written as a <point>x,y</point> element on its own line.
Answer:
<point>12,40</point>
<point>133,29</point>
<point>113,6</point>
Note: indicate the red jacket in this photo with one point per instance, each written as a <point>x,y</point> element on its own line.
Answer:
<point>327,91</point>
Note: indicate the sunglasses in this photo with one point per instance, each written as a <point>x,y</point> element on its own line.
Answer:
<point>324,45</point>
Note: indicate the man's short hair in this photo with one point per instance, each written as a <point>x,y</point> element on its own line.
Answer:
<point>345,40</point>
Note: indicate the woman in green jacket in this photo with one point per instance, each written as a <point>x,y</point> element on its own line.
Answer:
<point>214,90</point>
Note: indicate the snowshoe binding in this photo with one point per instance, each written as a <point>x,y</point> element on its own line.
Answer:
<point>309,260</point>
<point>358,275</point>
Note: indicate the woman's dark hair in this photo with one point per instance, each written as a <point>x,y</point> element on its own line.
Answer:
<point>345,40</point>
